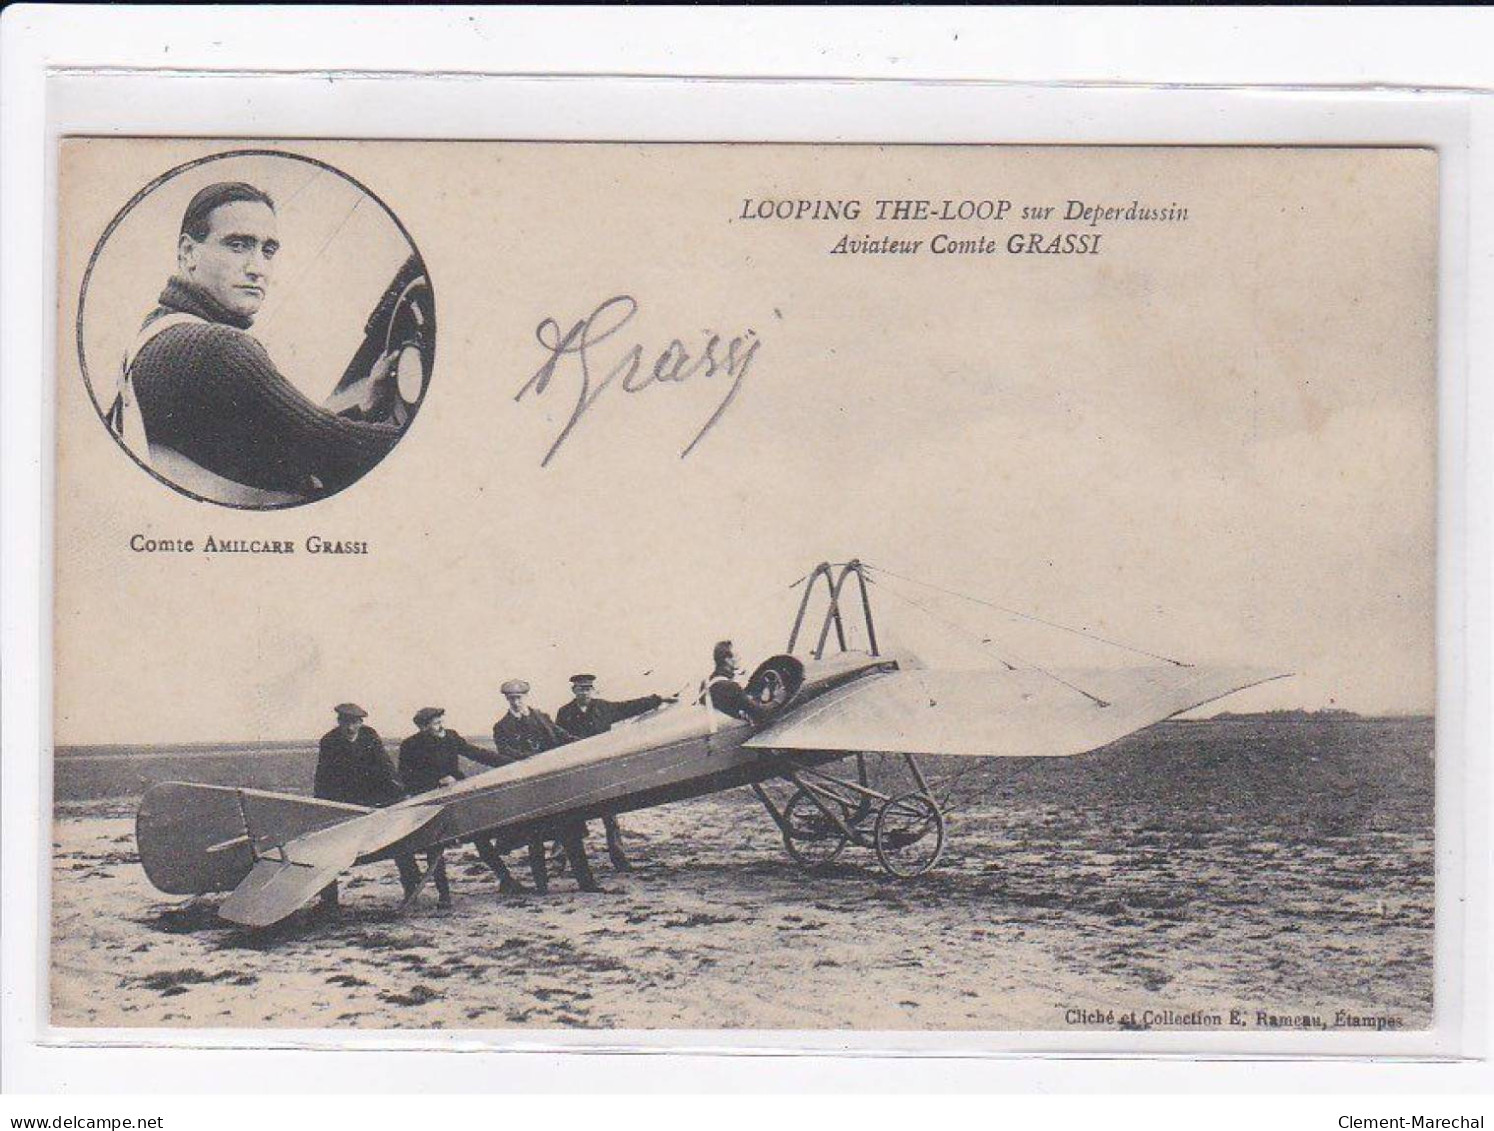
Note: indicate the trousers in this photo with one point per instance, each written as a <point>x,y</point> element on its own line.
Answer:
<point>572,839</point>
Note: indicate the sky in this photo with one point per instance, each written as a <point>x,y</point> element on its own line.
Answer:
<point>1214,439</point>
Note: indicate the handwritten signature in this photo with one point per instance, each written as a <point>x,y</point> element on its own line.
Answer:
<point>675,364</point>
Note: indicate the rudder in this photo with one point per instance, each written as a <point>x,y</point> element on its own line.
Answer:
<point>197,838</point>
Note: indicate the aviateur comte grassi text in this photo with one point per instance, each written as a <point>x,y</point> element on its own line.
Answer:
<point>894,210</point>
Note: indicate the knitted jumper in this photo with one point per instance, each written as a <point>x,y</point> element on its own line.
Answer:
<point>210,391</point>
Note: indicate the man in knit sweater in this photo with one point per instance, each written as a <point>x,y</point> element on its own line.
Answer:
<point>219,419</point>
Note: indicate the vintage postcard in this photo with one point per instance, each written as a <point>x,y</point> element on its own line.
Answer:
<point>556,586</point>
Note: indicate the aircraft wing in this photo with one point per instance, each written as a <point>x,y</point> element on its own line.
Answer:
<point>285,878</point>
<point>1008,714</point>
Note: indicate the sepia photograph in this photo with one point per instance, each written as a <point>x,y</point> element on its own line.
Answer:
<point>235,261</point>
<point>832,588</point>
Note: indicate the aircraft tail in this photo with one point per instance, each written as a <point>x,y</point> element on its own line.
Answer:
<point>197,838</point>
<point>273,851</point>
<point>286,877</point>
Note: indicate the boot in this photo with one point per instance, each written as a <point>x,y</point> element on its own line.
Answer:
<point>615,851</point>
<point>327,906</point>
<point>575,850</point>
<point>437,860</point>
<point>507,884</point>
<point>537,866</point>
<point>409,875</point>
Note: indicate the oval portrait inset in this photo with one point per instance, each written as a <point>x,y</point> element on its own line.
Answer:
<point>257,329</point>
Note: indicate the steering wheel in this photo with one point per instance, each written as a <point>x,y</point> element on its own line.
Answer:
<point>387,377</point>
<point>775,682</point>
<point>774,691</point>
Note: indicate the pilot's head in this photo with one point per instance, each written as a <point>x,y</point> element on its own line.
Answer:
<point>725,656</point>
<point>227,244</point>
<point>432,721</point>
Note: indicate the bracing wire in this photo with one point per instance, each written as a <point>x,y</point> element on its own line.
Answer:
<point>1029,617</point>
<point>952,626</point>
<point>1019,658</point>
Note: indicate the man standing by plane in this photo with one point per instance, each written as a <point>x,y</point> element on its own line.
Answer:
<point>522,733</point>
<point>353,767</point>
<point>586,715</point>
<point>431,758</point>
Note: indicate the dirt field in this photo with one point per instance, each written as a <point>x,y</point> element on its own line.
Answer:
<point>1147,878</point>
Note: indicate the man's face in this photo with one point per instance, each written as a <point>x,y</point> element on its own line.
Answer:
<point>349,725</point>
<point>584,694</point>
<point>729,661</point>
<point>233,263</point>
<point>515,701</point>
<point>436,727</point>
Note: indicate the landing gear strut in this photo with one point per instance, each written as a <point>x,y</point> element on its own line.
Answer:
<point>826,813</point>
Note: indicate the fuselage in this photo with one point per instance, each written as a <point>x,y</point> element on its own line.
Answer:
<point>679,751</point>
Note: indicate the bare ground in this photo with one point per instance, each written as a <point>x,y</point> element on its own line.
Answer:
<point>1034,913</point>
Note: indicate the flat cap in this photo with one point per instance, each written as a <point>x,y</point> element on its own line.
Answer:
<point>426,714</point>
<point>584,679</point>
<point>515,687</point>
<point>350,711</point>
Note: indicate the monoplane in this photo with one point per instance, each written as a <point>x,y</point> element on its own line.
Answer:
<point>274,852</point>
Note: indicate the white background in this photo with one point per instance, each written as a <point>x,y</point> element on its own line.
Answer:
<point>1416,48</point>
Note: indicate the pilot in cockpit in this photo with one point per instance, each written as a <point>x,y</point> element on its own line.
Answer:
<point>726,693</point>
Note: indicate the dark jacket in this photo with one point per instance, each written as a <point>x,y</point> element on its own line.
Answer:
<point>600,714</point>
<point>728,697</point>
<point>425,759</point>
<point>210,391</point>
<point>525,737</point>
<point>358,772</point>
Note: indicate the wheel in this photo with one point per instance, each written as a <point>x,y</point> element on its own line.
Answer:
<point>909,835</point>
<point>811,837</point>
